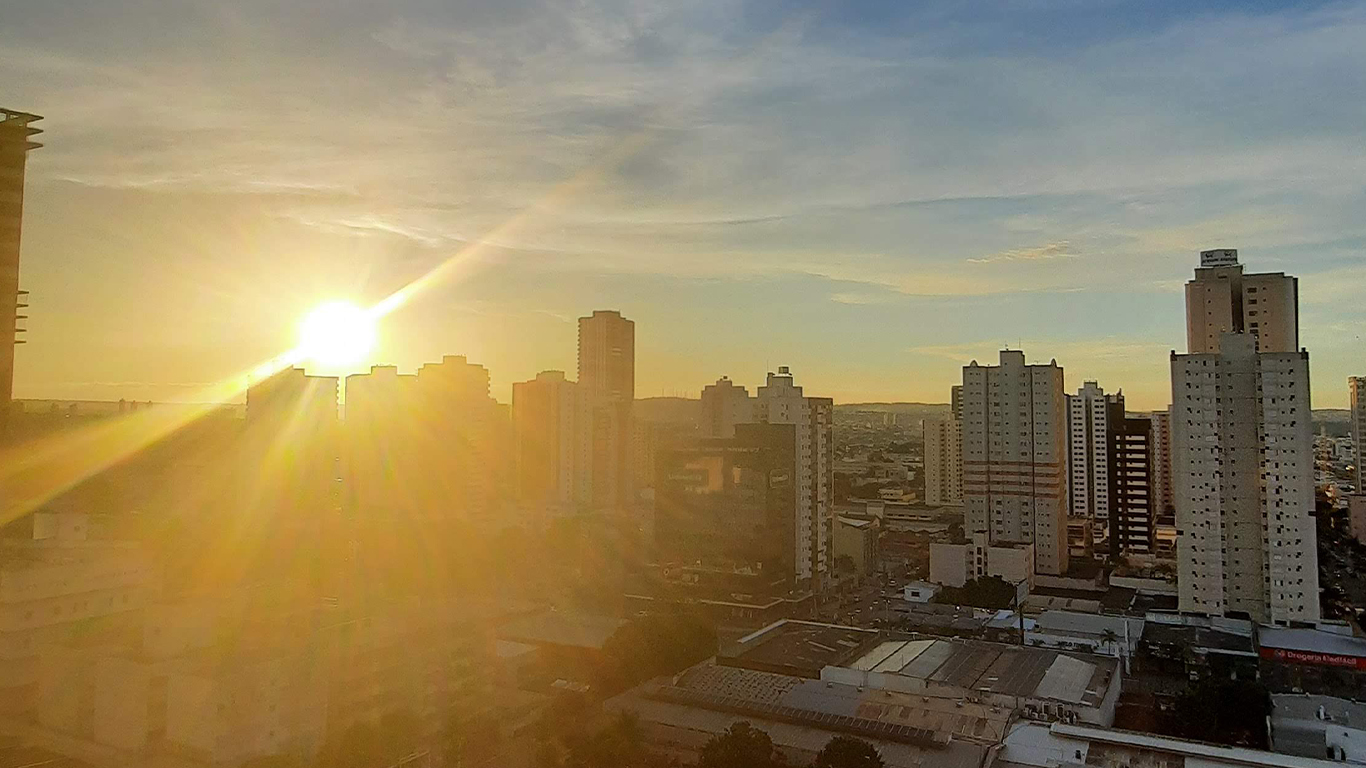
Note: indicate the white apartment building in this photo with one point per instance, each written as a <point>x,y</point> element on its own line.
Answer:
<point>57,588</point>
<point>943,461</point>
<point>1242,453</point>
<point>779,401</point>
<point>1088,440</point>
<point>1015,456</point>
<point>725,404</point>
<point>1162,462</point>
<point>1222,298</point>
<point>1357,387</point>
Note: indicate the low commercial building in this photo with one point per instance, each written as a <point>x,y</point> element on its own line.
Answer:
<point>1319,726</point>
<point>1294,660</point>
<point>1031,682</point>
<point>856,540</point>
<point>920,591</point>
<point>1035,745</point>
<point>953,565</point>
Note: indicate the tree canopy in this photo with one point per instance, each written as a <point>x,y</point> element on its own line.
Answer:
<point>741,746</point>
<point>848,752</point>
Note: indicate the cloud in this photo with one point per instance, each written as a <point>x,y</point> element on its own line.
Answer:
<point>1058,250</point>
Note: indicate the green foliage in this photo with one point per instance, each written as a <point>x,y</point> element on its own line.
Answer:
<point>652,646</point>
<point>848,752</point>
<point>470,738</point>
<point>987,592</point>
<point>1231,712</point>
<point>741,746</point>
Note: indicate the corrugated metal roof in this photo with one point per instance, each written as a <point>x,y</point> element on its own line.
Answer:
<point>1065,680</point>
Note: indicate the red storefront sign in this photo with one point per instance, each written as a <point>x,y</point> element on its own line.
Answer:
<point>1310,657</point>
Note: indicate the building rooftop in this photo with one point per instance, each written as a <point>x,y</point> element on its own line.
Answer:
<point>1197,637</point>
<point>1311,641</point>
<point>1087,624</point>
<point>1062,744</point>
<point>570,630</point>
<point>801,648</point>
<point>995,668</point>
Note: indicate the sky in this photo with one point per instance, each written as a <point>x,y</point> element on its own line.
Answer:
<point>873,193</point>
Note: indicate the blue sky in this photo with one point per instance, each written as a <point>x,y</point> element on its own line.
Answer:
<point>874,193</point>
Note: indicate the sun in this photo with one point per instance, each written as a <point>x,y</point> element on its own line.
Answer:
<point>337,333</point>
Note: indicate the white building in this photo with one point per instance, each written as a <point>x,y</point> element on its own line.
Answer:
<point>953,565</point>
<point>62,587</point>
<point>1318,726</point>
<point>1222,299</point>
<point>779,401</point>
<point>943,461</point>
<point>724,404</point>
<point>1088,441</point>
<point>1242,449</point>
<point>1014,456</point>
<point>1162,462</point>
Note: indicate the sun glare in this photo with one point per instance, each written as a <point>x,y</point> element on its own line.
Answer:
<point>337,333</point>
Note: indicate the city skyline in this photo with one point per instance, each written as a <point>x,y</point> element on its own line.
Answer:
<point>750,186</point>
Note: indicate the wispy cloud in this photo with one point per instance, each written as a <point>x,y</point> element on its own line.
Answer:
<point>1058,250</point>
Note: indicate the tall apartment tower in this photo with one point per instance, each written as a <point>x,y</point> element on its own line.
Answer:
<point>1222,298</point>
<point>1357,387</point>
<point>724,404</point>
<point>1242,454</point>
<point>607,380</point>
<point>16,139</point>
<point>1088,457</point>
<point>1165,506</point>
<point>943,461</point>
<point>1014,456</point>
<point>545,414</point>
<point>1133,521</point>
<point>779,401</point>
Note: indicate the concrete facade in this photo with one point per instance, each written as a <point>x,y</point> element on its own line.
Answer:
<point>943,461</point>
<point>1015,455</point>
<point>1243,457</point>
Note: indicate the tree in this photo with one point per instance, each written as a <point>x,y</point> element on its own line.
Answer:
<point>273,761</point>
<point>1108,638</point>
<point>741,746</point>
<point>470,739</point>
<point>848,752</point>
<point>1231,712</point>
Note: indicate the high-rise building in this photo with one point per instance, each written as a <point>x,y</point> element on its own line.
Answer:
<point>1357,394</point>
<point>728,505</point>
<point>943,461</point>
<point>469,436</point>
<point>724,404</point>
<point>779,401</point>
<point>1162,465</point>
<point>1088,458</point>
<point>545,414</point>
<point>607,379</point>
<point>1014,456</point>
<point>16,139</point>
<point>1133,524</point>
<point>1222,298</point>
<point>1242,450</point>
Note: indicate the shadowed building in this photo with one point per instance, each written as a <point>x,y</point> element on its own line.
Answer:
<point>607,378</point>
<point>729,505</point>
<point>16,139</point>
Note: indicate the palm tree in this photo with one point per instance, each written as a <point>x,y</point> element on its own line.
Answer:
<point>1108,638</point>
